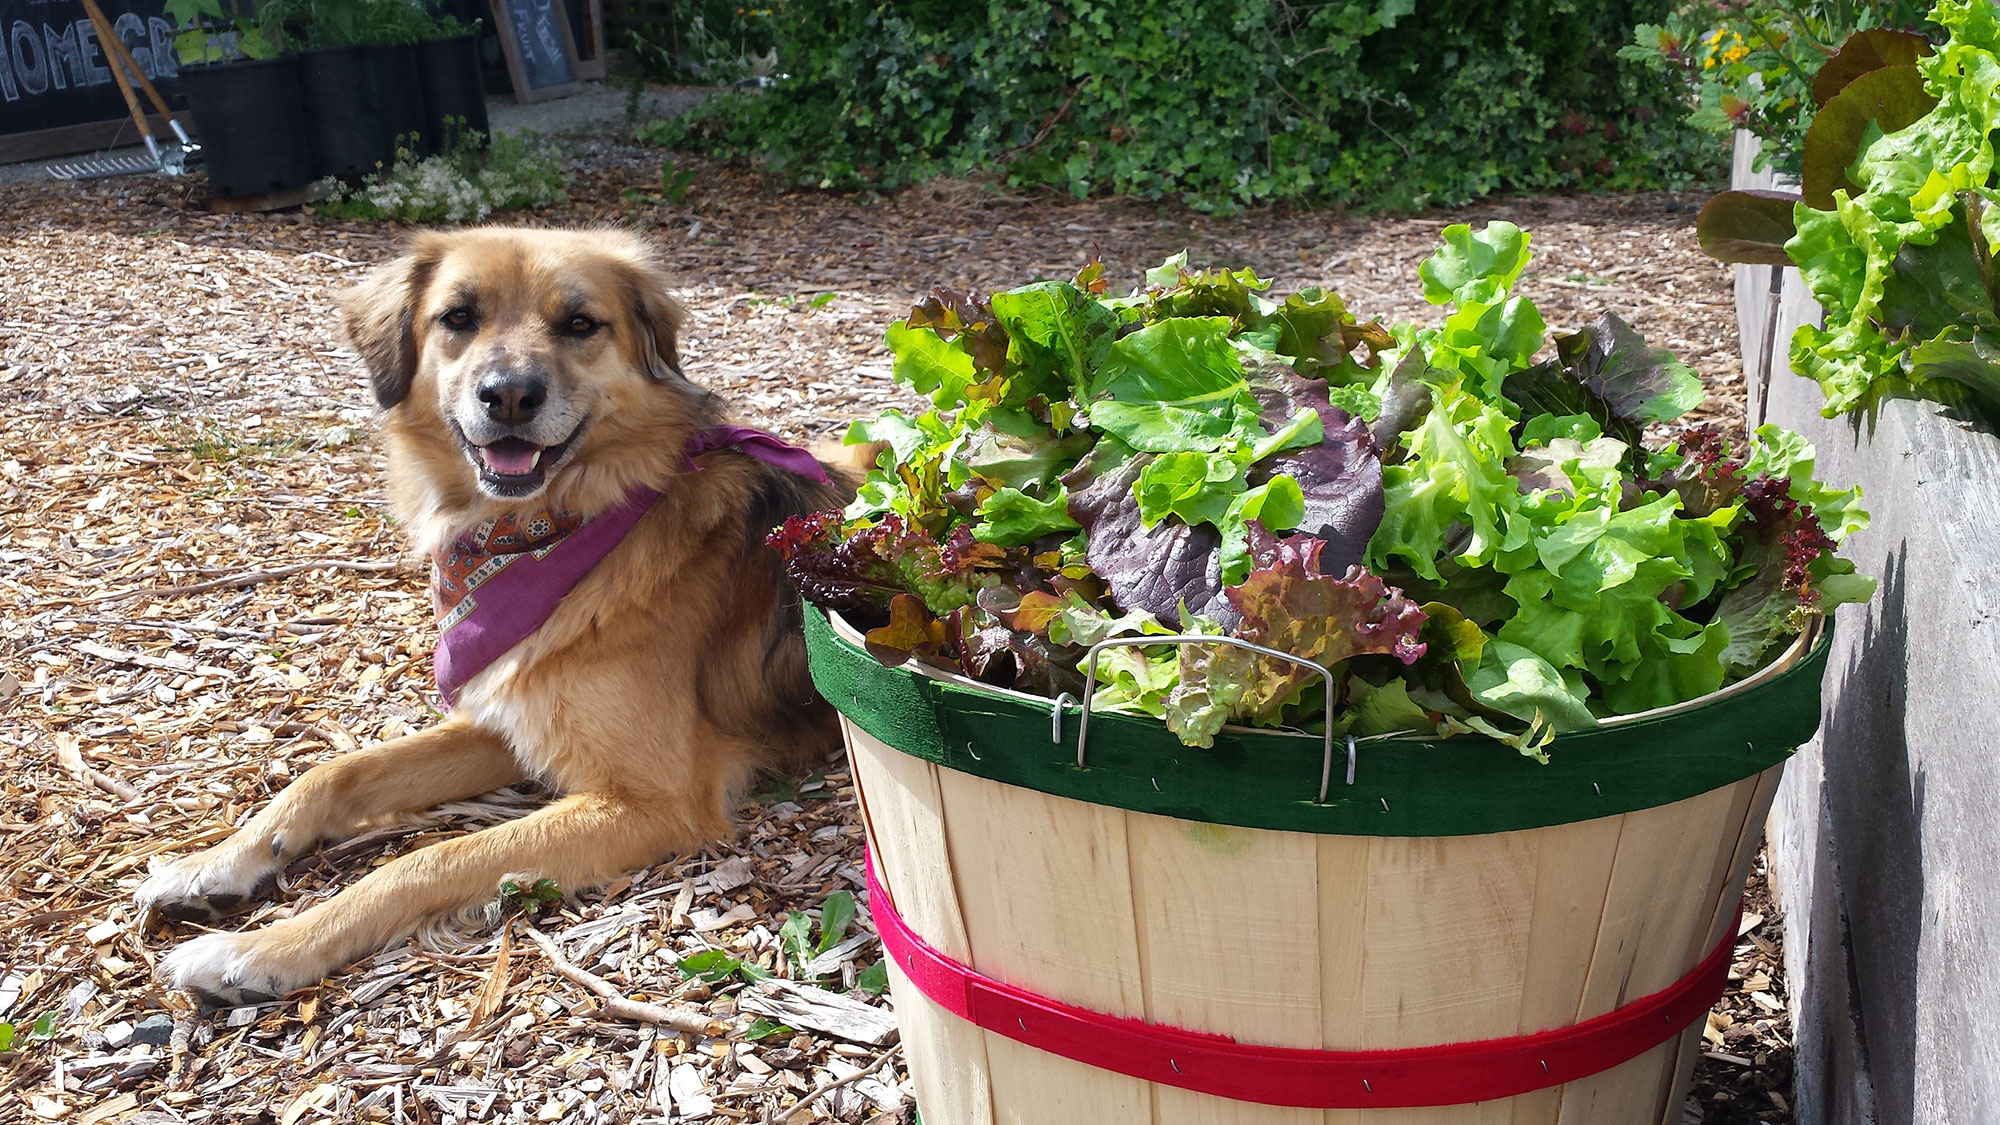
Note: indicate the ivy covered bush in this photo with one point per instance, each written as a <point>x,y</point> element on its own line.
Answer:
<point>1222,105</point>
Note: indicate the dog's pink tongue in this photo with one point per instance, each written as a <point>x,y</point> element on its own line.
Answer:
<point>511,462</point>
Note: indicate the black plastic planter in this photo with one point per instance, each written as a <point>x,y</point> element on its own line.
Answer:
<point>399,90</point>
<point>252,122</point>
<point>359,100</point>
<point>350,135</point>
<point>453,89</point>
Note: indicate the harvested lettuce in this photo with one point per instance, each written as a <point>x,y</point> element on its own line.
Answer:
<point>1497,554</point>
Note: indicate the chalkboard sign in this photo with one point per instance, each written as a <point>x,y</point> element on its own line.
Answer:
<point>56,90</point>
<point>541,53</point>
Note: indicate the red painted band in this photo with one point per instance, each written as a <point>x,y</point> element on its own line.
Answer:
<point>1450,1074</point>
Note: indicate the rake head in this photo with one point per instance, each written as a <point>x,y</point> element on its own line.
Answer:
<point>170,160</point>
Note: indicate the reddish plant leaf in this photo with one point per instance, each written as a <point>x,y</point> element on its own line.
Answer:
<point>1892,97</point>
<point>1749,227</point>
<point>1867,51</point>
<point>911,631</point>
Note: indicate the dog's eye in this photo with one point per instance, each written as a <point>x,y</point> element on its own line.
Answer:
<point>458,319</point>
<point>579,325</point>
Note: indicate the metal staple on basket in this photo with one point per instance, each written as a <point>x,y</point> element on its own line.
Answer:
<point>1325,675</point>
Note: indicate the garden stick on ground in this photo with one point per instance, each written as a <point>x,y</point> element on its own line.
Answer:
<point>823,1089</point>
<point>614,1003</point>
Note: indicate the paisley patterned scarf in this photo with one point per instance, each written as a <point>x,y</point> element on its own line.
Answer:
<point>497,583</point>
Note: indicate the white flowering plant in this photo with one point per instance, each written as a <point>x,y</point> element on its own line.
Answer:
<point>465,183</point>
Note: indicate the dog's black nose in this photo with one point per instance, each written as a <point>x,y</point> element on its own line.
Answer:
<point>512,397</point>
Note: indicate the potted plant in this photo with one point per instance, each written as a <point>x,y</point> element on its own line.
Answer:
<point>454,89</point>
<point>1250,705</point>
<point>246,99</point>
<point>358,67</point>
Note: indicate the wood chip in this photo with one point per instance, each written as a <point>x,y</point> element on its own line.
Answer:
<point>802,1005</point>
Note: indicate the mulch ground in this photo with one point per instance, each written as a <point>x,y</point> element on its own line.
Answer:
<point>206,597</point>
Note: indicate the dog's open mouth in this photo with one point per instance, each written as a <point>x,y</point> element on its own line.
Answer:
<point>515,467</point>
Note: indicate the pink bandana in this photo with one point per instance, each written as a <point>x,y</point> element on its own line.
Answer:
<point>496,584</point>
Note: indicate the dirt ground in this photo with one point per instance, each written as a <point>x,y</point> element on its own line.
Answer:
<point>206,597</point>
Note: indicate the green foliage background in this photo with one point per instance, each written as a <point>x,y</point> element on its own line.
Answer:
<point>1223,105</point>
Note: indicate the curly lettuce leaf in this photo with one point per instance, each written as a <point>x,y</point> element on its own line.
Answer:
<point>1287,604</point>
<point>1058,331</point>
<point>1864,252</point>
<point>1475,266</point>
<point>1450,497</point>
<point>1012,518</point>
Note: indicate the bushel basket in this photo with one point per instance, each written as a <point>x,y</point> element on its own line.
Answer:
<point>1164,935</point>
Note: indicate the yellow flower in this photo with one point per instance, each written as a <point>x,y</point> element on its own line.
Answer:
<point>1735,54</point>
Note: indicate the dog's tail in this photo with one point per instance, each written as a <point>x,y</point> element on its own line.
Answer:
<point>853,460</point>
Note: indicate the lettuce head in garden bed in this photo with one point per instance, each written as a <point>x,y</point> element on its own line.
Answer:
<point>1895,226</point>
<point>1471,539</point>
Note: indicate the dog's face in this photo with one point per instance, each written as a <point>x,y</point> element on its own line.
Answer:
<point>510,361</point>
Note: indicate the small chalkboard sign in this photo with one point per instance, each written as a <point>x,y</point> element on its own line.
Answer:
<point>541,52</point>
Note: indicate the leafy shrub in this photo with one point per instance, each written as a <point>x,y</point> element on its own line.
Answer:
<point>1221,105</point>
<point>1752,65</point>
<point>713,41</point>
<point>518,172</point>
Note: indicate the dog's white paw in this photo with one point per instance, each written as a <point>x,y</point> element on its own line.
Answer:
<point>232,970</point>
<point>206,885</point>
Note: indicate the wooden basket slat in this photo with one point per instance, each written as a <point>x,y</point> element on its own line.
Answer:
<point>1343,925</point>
<point>1269,885</point>
<point>1447,937</point>
<point>903,814</point>
<point>1045,886</point>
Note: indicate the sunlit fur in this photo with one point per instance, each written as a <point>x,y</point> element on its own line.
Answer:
<point>665,679</point>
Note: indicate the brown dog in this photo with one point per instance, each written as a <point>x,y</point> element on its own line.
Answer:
<point>535,373</point>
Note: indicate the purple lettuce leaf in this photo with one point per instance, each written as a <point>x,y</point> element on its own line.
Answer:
<point>1157,569</point>
<point>867,568</point>
<point>1171,564</point>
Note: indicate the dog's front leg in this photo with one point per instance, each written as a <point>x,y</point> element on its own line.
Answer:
<point>579,841</point>
<point>332,800</point>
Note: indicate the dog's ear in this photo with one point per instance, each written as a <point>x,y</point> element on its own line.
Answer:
<point>380,317</point>
<point>659,317</point>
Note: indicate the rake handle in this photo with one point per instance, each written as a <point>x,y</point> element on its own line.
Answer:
<point>123,63</point>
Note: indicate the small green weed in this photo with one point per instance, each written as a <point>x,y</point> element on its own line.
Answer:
<point>41,1030</point>
<point>675,183</point>
<point>533,900</point>
<point>874,980</point>
<point>716,966</point>
<point>795,936</point>
<point>761,1029</point>
<point>219,446</point>
<point>776,789</point>
<point>794,300</point>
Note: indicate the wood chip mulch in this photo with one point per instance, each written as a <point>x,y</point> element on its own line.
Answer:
<point>206,596</point>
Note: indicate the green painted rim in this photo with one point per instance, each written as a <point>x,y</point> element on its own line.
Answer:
<point>1403,787</point>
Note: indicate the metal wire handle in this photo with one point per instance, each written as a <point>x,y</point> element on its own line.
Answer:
<point>1325,675</point>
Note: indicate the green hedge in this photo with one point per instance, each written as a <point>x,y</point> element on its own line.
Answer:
<point>1221,104</point>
